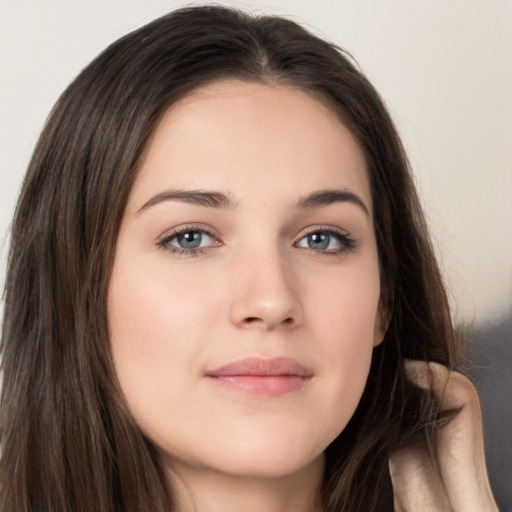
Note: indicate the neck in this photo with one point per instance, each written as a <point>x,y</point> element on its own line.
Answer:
<point>204,490</point>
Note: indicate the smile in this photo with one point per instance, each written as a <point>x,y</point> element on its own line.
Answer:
<point>262,377</point>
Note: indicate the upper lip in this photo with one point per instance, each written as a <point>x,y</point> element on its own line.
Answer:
<point>256,366</point>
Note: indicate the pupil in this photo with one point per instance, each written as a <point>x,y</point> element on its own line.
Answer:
<point>189,240</point>
<point>318,241</point>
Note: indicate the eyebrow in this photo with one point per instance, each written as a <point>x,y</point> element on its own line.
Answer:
<point>196,197</point>
<point>331,196</point>
<point>219,200</point>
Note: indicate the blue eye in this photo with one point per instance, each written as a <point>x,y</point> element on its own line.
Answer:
<point>326,241</point>
<point>188,241</point>
<point>318,241</point>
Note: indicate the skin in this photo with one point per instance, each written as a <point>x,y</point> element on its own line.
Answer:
<point>459,481</point>
<point>255,287</point>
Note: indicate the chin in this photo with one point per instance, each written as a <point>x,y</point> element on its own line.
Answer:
<point>271,465</point>
<point>269,456</point>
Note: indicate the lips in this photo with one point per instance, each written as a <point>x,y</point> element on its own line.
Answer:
<point>264,377</point>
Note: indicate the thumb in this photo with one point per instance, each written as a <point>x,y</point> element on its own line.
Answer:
<point>460,448</point>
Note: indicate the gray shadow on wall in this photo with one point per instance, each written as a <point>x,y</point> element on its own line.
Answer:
<point>489,365</point>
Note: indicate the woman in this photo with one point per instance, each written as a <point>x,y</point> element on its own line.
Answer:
<point>221,294</point>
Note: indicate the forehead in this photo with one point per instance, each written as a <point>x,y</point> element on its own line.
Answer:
<point>231,134</point>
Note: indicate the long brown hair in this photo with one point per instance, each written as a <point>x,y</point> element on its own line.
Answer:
<point>68,441</point>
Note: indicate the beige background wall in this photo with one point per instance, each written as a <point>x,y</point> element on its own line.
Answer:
<point>444,68</point>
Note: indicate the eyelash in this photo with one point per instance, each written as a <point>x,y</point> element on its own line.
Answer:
<point>347,243</point>
<point>165,242</point>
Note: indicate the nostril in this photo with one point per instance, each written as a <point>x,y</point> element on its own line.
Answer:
<point>252,320</point>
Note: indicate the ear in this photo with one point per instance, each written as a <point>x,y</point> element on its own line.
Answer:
<point>381,324</point>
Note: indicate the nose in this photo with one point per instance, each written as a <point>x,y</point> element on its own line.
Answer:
<point>265,294</point>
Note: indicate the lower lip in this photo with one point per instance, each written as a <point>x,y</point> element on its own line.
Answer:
<point>269,386</point>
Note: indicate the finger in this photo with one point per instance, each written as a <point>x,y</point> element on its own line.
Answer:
<point>416,483</point>
<point>460,449</point>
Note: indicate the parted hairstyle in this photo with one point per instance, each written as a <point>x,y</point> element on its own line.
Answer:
<point>68,440</point>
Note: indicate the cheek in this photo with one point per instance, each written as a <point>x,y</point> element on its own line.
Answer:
<point>347,329</point>
<point>345,309</point>
<point>157,335</point>
<point>152,308</point>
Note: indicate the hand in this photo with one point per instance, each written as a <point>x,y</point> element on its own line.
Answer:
<point>458,482</point>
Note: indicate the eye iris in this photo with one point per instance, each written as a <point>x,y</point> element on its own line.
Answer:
<point>318,240</point>
<point>189,240</point>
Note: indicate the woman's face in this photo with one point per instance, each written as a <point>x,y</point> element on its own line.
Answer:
<point>244,300</point>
